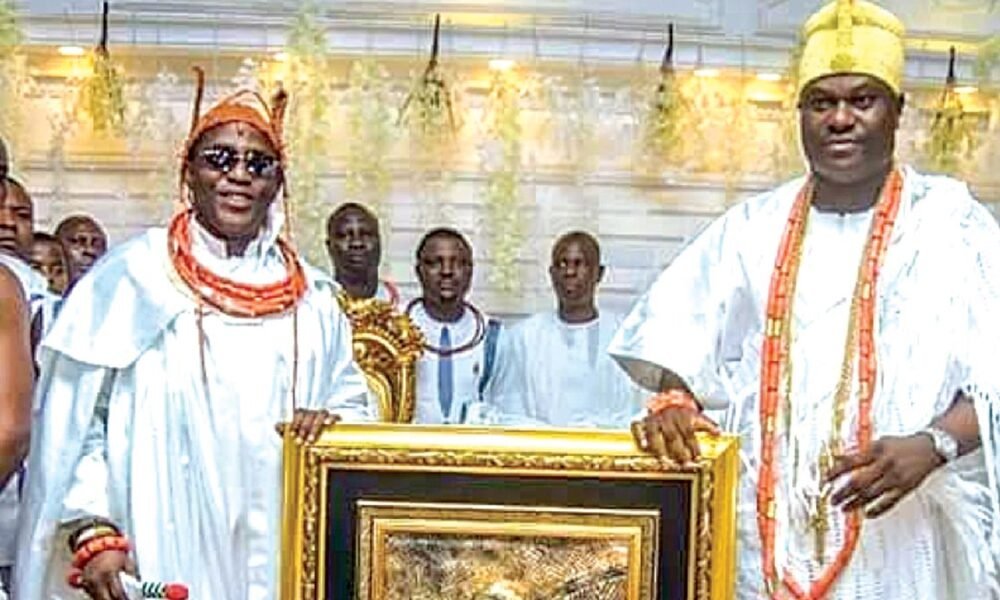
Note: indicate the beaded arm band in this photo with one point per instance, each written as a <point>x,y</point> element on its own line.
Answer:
<point>90,529</point>
<point>672,399</point>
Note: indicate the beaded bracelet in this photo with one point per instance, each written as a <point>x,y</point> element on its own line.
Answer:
<point>672,399</point>
<point>91,549</point>
<point>93,533</point>
<point>84,526</point>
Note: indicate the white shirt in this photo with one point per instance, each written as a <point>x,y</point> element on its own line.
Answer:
<point>467,366</point>
<point>560,374</point>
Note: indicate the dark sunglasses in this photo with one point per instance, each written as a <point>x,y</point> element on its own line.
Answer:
<point>225,158</point>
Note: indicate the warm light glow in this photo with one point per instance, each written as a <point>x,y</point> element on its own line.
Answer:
<point>501,64</point>
<point>966,89</point>
<point>71,50</point>
<point>706,72</point>
<point>764,76</point>
<point>280,56</point>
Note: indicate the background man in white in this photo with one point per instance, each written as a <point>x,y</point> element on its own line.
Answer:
<point>460,339</point>
<point>553,368</point>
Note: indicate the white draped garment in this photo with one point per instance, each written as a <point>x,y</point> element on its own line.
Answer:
<point>187,461</point>
<point>560,374</point>
<point>938,301</point>
<point>36,291</point>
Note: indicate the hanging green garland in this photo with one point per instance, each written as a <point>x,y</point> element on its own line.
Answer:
<point>989,57</point>
<point>15,80</point>
<point>370,135</point>
<point>102,95</point>
<point>952,140</point>
<point>663,135</point>
<point>308,124</point>
<point>429,112</point>
<point>502,162</point>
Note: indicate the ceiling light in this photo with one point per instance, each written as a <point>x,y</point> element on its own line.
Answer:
<point>765,76</point>
<point>71,50</point>
<point>501,64</point>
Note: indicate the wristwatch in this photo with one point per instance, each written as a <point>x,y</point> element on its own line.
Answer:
<point>945,444</point>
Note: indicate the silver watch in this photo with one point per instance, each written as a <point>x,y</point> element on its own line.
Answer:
<point>945,444</point>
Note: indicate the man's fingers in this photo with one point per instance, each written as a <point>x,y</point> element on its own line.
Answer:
<point>639,435</point>
<point>860,480</point>
<point>296,424</point>
<point>319,421</point>
<point>867,494</point>
<point>703,423</point>
<point>848,462</point>
<point>655,437</point>
<point>691,441</point>
<point>117,589</point>
<point>883,504</point>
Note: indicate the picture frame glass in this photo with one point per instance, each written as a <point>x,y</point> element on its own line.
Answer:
<point>433,551</point>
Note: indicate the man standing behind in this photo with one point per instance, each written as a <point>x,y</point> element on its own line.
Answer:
<point>85,240</point>
<point>847,324</point>
<point>554,367</point>
<point>460,340</point>
<point>50,259</point>
<point>355,248</point>
<point>161,395</point>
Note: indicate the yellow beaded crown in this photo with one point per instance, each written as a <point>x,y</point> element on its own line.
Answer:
<point>852,36</point>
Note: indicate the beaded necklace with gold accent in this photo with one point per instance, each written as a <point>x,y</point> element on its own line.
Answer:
<point>232,297</point>
<point>776,377</point>
<point>228,296</point>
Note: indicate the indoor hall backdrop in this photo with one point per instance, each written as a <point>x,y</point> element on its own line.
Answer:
<point>550,120</point>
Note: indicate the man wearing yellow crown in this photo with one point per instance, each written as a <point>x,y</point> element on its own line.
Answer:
<point>163,380</point>
<point>844,325</point>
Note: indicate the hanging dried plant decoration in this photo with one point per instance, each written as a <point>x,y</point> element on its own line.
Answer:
<point>429,107</point>
<point>10,32</point>
<point>102,95</point>
<point>15,79</point>
<point>310,83</point>
<point>988,58</point>
<point>952,139</point>
<point>662,127</point>
<point>502,153</point>
<point>370,124</point>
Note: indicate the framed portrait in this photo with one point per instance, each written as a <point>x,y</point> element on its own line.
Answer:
<point>408,512</point>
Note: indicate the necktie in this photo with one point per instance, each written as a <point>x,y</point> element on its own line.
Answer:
<point>445,379</point>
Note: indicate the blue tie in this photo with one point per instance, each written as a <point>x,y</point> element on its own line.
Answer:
<point>445,382</point>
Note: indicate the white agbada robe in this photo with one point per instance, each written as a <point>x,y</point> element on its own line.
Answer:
<point>560,374</point>
<point>937,325</point>
<point>35,290</point>
<point>468,368</point>
<point>186,461</point>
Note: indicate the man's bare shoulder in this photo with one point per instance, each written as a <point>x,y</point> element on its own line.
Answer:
<point>10,285</point>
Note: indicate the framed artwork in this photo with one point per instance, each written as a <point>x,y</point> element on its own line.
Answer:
<point>409,512</point>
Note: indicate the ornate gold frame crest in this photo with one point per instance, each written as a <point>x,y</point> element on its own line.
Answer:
<point>359,484</point>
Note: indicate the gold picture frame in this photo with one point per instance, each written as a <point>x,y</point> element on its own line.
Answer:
<point>412,477</point>
<point>469,551</point>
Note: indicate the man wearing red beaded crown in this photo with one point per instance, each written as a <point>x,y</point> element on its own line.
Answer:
<point>157,453</point>
<point>842,325</point>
